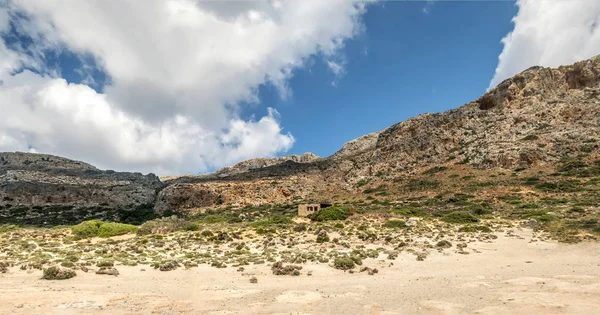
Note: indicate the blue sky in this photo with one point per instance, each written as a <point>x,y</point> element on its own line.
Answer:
<point>415,62</point>
<point>186,86</point>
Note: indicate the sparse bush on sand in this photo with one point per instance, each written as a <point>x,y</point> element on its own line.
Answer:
<point>57,273</point>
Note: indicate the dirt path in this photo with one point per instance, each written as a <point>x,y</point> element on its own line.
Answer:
<point>509,276</point>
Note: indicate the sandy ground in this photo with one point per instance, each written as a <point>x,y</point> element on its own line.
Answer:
<point>508,276</point>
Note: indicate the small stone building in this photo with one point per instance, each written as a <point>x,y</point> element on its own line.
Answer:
<point>310,208</point>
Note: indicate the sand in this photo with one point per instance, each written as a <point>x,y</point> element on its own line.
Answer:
<point>511,275</point>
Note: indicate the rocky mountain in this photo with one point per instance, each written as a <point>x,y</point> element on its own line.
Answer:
<point>529,122</point>
<point>534,119</point>
<point>46,189</point>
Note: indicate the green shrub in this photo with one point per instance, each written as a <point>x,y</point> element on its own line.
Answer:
<point>395,224</point>
<point>343,263</point>
<point>275,220</point>
<point>539,215</point>
<point>460,217</point>
<point>475,228</point>
<point>421,184</point>
<point>330,213</point>
<point>57,273</point>
<point>530,137</point>
<point>409,212</point>
<point>562,186</point>
<point>87,228</point>
<point>435,169</point>
<point>207,233</point>
<point>591,225</point>
<point>322,237</point>
<point>97,228</point>
<point>211,219</point>
<point>8,228</point>
<point>262,231</point>
<point>166,225</point>
<point>109,229</point>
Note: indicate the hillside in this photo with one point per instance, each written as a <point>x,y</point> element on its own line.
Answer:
<point>528,123</point>
<point>532,138</point>
<point>45,189</point>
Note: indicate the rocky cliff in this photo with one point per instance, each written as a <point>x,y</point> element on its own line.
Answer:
<point>44,189</point>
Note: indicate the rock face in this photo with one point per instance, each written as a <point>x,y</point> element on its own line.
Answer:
<point>359,145</point>
<point>248,165</point>
<point>536,118</point>
<point>45,189</point>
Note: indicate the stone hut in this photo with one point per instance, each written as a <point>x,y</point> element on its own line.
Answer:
<point>310,208</point>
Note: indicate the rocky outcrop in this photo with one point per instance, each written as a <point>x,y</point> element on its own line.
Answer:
<point>358,145</point>
<point>43,189</point>
<point>248,165</point>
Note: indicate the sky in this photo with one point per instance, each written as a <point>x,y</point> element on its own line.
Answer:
<point>186,87</point>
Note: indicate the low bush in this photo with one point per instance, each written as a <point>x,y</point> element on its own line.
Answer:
<point>343,263</point>
<point>562,186</point>
<point>212,219</point>
<point>475,228</point>
<point>109,229</point>
<point>460,217</point>
<point>409,212</point>
<point>395,224</point>
<point>421,184</point>
<point>57,273</point>
<point>530,137</point>
<point>275,220</point>
<point>166,225</point>
<point>539,215</point>
<point>435,169</point>
<point>330,213</point>
<point>97,228</point>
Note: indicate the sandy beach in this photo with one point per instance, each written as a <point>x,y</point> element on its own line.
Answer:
<point>511,275</point>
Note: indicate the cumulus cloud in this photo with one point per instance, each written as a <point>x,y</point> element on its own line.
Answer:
<point>178,71</point>
<point>549,33</point>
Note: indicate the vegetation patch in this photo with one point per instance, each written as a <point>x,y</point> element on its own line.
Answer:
<point>97,228</point>
<point>343,263</point>
<point>279,269</point>
<point>330,214</point>
<point>421,184</point>
<point>530,137</point>
<point>475,228</point>
<point>460,217</point>
<point>561,186</point>
<point>57,273</point>
<point>435,170</point>
<point>275,220</point>
<point>378,189</point>
<point>166,225</point>
<point>409,212</point>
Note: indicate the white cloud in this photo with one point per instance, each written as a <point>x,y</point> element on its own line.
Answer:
<point>178,70</point>
<point>56,117</point>
<point>549,33</point>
